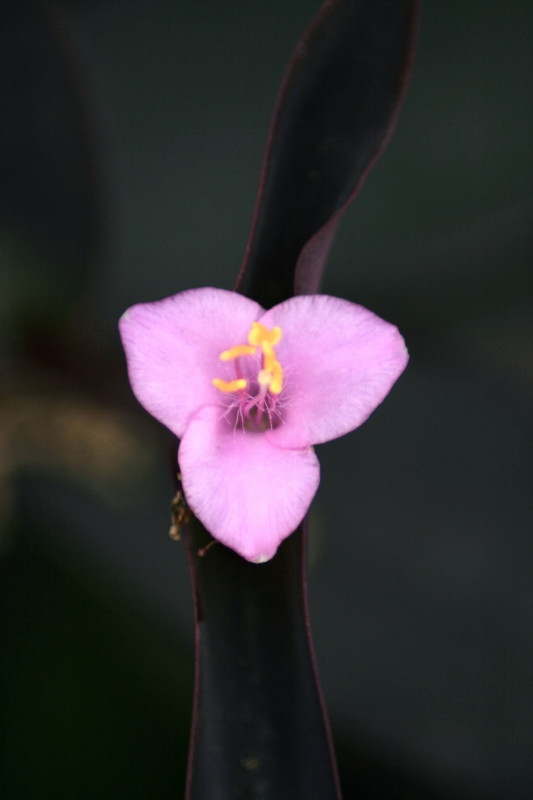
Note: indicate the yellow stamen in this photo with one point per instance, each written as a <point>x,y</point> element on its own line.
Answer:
<point>276,384</point>
<point>260,334</point>
<point>270,375</point>
<point>237,351</point>
<point>269,355</point>
<point>230,386</point>
<point>272,365</point>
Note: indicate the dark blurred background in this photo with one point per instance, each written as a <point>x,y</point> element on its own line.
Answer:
<point>131,138</point>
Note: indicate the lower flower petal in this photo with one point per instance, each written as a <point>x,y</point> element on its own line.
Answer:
<point>248,493</point>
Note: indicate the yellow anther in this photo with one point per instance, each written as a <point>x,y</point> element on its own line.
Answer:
<point>275,335</point>
<point>230,386</point>
<point>276,384</point>
<point>237,351</point>
<point>260,334</point>
<point>271,368</point>
<point>269,355</point>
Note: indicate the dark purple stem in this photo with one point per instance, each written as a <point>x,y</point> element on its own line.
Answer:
<point>334,116</point>
<point>259,724</point>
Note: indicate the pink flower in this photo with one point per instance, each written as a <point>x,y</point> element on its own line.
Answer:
<point>249,392</point>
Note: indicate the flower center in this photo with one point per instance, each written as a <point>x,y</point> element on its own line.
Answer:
<point>257,383</point>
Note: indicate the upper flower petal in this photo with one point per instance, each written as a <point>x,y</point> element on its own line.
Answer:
<point>173,347</point>
<point>247,492</point>
<point>339,363</point>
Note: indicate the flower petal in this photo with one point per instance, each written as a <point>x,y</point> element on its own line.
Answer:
<point>247,492</point>
<point>339,363</point>
<point>173,347</point>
